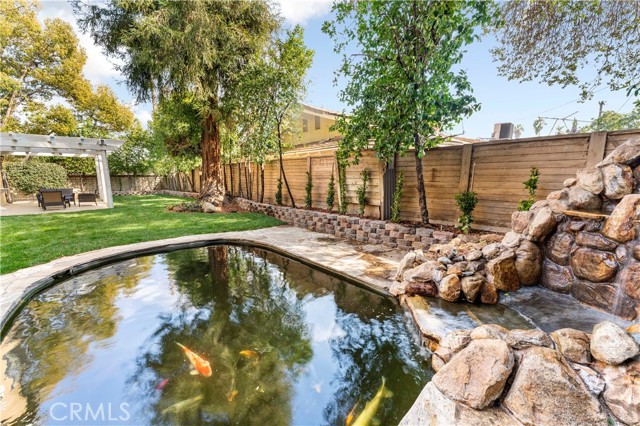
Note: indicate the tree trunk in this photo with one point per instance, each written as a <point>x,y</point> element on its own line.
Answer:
<point>422,195</point>
<point>262,183</point>
<point>154,99</point>
<point>240,179</point>
<point>12,101</point>
<point>284,176</point>
<point>212,185</point>
<point>224,177</point>
<point>231,190</point>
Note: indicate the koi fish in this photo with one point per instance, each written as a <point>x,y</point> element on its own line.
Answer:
<point>182,405</point>
<point>200,365</point>
<point>351,414</point>
<point>635,328</point>
<point>366,417</point>
<point>233,392</point>
<point>163,384</point>
<point>248,353</point>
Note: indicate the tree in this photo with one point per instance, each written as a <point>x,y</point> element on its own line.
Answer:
<point>195,47</point>
<point>554,41</point>
<point>134,156</point>
<point>402,87</point>
<point>38,61</point>
<point>611,121</point>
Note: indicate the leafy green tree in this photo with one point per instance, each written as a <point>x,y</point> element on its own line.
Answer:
<point>196,48</point>
<point>38,61</point>
<point>555,41</point>
<point>401,83</point>
<point>134,156</point>
<point>612,120</point>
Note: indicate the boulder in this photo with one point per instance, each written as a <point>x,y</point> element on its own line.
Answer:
<point>621,225</point>
<point>595,241</point>
<point>421,288</point>
<point>618,181</point>
<point>436,363</point>
<point>489,294</point>
<point>502,273</point>
<point>611,344</point>
<point>528,263</point>
<point>568,183</point>
<point>581,199</point>
<point>489,331</point>
<point>491,251</point>
<point>541,225</point>
<point>563,194</point>
<point>473,255</point>
<point>476,375</point>
<point>457,268</point>
<point>629,280</point>
<point>555,277</point>
<point>520,339</point>
<point>628,153</point>
<point>405,264</point>
<point>558,248</point>
<point>621,254</point>
<point>471,286</point>
<point>453,343</point>
<point>520,221</point>
<point>622,390</point>
<point>591,180</point>
<point>591,379</point>
<point>606,297</point>
<point>512,239</point>
<point>449,288</point>
<point>573,344</point>
<point>594,265</point>
<point>636,252</point>
<point>423,272</point>
<point>433,408</point>
<point>398,288</point>
<point>546,391</point>
<point>211,208</point>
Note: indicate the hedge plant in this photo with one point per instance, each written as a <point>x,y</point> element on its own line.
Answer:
<point>30,176</point>
<point>466,202</point>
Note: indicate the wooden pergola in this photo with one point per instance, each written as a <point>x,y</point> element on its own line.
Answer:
<point>63,146</point>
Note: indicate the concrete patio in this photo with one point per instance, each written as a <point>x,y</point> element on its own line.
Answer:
<point>29,207</point>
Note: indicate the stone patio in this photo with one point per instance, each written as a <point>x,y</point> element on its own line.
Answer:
<point>29,207</point>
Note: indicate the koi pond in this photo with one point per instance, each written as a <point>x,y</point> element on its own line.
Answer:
<point>219,336</point>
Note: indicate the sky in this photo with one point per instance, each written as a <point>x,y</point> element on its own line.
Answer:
<point>501,100</point>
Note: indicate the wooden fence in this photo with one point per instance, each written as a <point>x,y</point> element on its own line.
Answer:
<point>495,170</point>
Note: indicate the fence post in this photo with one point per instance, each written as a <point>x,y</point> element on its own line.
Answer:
<point>465,168</point>
<point>597,147</point>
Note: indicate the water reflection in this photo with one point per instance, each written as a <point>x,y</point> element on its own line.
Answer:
<point>109,336</point>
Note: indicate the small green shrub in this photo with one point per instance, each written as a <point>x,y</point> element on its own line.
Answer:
<point>531,185</point>
<point>331,193</point>
<point>308,187</point>
<point>466,202</point>
<point>361,191</point>
<point>279,192</point>
<point>30,176</point>
<point>342,183</point>
<point>397,197</point>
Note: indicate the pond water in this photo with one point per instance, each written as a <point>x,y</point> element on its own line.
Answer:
<point>287,345</point>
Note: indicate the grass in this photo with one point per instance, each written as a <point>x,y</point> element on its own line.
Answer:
<point>35,239</point>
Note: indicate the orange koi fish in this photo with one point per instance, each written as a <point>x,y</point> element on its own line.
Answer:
<point>635,328</point>
<point>200,365</point>
<point>163,384</point>
<point>248,353</point>
<point>352,414</point>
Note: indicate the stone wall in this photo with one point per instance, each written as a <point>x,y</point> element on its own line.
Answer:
<point>368,231</point>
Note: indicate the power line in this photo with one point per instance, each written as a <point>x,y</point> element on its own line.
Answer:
<point>559,106</point>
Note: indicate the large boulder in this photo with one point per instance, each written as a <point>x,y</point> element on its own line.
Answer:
<point>628,153</point>
<point>590,179</point>
<point>606,297</point>
<point>595,241</point>
<point>594,265</point>
<point>433,408</point>
<point>420,288</point>
<point>502,273</point>
<point>423,272</point>
<point>546,391</point>
<point>558,247</point>
<point>573,344</point>
<point>610,343</point>
<point>520,221</point>
<point>520,339</point>
<point>581,199</point>
<point>528,263</point>
<point>489,294</point>
<point>622,224</point>
<point>453,343</point>
<point>622,390</point>
<point>449,288</point>
<point>471,286</point>
<point>555,277</point>
<point>542,224</point>
<point>476,375</point>
<point>491,251</point>
<point>629,280</point>
<point>489,331</point>
<point>618,181</point>
<point>405,264</point>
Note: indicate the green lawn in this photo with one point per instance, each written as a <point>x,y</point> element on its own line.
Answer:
<point>34,239</point>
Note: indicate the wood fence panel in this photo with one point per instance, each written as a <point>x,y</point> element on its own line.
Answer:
<point>321,170</point>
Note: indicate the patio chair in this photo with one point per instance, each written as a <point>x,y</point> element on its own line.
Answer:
<point>68,195</point>
<point>88,197</point>
<point>52,198</point>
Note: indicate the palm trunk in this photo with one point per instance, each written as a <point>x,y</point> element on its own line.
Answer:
<point>422,195</point>
<point>284,176</point>
<point>212,185</point>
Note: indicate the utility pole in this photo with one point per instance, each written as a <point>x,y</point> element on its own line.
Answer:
<point>601,103</point>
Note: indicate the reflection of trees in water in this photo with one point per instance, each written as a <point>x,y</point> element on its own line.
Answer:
<point>375,347</point>
<point>57,328</point>
<point>241,304</point>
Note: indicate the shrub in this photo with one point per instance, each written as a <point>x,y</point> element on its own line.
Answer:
<point>397,197</point>
<point>279,192</point>
<point>342,183</point>
<point>466,202</point>
<point>30,176</point>
<point>361,191</point>
<point>308,187</point>
<point>531,185</point>
<point>331,193</point>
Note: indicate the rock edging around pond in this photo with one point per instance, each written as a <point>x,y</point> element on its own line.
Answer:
<point>494,376</point>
